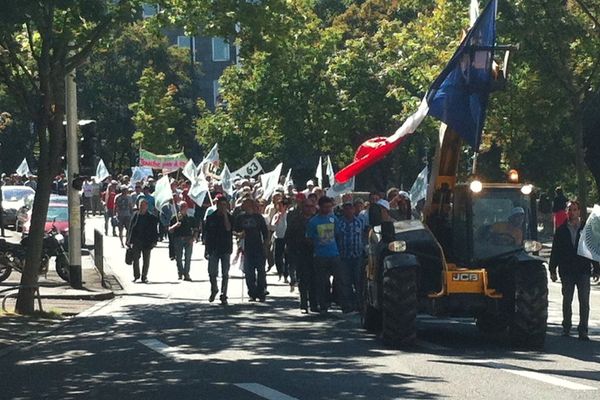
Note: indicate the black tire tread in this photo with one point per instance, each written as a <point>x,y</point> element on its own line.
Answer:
<point>399,308</point>
<point>530,319</point>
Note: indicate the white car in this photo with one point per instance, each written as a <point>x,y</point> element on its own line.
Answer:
<point>13,198</point>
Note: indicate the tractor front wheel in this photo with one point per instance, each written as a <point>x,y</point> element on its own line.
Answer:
<point>399,307</point>
<point>530,318</point>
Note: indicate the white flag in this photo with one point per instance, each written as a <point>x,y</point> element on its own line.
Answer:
<point>329,172</point>
<point>251,169</point>
<point>319,173</point>
<point>270,180</point>
<point>339,189</point>
<point>138,174</point>
<point>23,169</point>
<point>227,180</point>
<point>190,171</point>
<point>473,12</point>
<point>101,172</point>
<point>589,241</point>
<point>288,179</point>
<point>212,156</point>
<point>162,192</point>
<point>418,190</point>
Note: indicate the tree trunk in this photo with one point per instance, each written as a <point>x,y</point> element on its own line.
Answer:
<point>51,136</point>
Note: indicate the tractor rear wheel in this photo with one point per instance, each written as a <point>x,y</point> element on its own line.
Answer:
<point>530,318</point>
<point>399,307</point>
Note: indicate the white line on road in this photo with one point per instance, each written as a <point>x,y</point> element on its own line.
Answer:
<point>538,376</point>
<point>160,347</point>
<point>552,380</point>
<point>264,391</point>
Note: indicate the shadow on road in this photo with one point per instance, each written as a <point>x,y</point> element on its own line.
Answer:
<point>272,344</point>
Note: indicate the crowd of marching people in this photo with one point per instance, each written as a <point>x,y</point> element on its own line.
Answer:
<point>314,243</point>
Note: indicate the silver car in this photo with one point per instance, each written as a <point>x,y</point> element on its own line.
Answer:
<point>13,198</point>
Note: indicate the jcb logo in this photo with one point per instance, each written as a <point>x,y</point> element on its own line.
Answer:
<point>465,277</point>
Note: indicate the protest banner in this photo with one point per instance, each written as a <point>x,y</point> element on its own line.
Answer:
<point>168,162</point>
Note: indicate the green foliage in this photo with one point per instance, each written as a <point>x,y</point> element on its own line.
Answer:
<point>333,74</point>
<point>108,84</point>
<point>155,114</point>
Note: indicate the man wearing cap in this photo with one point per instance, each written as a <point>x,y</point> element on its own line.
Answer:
<point>511,232</point>
<point>310,185</point>
<point>350,234</point>
<point>300,250</point>
<point>322,230</point>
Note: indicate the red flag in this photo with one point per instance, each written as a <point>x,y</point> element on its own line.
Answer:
<point>367,154</point>
<point>377,148</point>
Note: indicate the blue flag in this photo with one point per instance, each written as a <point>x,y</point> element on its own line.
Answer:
<point>459,96</point>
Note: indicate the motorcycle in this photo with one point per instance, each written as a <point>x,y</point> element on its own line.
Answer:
<point>12,256</point>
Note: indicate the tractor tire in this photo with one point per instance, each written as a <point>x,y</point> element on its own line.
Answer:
<point>370,317</point>
<point>399,308</point>
<point>530,318</point>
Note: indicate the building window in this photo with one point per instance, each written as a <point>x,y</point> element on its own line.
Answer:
<point>184,43</point>
<point>220,49</point>
<point>149,10</point>
<point>216,93</point>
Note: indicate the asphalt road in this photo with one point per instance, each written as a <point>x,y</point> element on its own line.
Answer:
<point>164,340</point>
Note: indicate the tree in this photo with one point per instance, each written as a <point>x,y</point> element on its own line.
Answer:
<point>155,114</point>
<point>560,56</point>
<point>107,84</point>
<point>40,42</point>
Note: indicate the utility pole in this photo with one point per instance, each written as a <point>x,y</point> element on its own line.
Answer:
<point>73,194</point>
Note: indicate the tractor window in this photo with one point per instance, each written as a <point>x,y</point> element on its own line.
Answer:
<point>500,222</point>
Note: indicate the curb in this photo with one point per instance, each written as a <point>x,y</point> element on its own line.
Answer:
<point>37,339</point>
<point>98,297</point>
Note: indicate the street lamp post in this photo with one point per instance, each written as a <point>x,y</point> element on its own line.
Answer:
<point>73,194</point>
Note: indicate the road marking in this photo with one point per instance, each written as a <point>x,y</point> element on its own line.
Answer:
<point>160,347</point>
<point>538,376</point>
<point>264,391</point>
<point>552,380</point>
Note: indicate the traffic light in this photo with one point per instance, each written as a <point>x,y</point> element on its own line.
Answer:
<point>88,147</point>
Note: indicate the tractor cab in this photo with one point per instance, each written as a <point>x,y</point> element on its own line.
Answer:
<point>489,221</point>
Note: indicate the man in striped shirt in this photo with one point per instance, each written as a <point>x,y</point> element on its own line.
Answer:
<point>350,238</point>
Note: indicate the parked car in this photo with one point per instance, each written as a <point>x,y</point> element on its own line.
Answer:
<point>58,216</point>
<point>13,198</point>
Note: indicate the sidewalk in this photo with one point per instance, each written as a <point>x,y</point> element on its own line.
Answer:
<point>60,303</point>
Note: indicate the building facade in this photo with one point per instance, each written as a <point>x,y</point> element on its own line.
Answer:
<point>212,55</point>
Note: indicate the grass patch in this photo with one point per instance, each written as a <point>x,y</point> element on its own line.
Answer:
<point>53,314</point>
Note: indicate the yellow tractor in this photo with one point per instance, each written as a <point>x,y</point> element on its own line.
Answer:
<point>473,255</point>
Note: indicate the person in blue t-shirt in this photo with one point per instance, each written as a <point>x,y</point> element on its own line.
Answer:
<point>322,230</point>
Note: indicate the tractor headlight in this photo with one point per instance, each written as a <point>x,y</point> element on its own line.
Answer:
<point>532,246</point>
<point>397,246</point>
<point>476,186</point>
<point>527,189</point>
